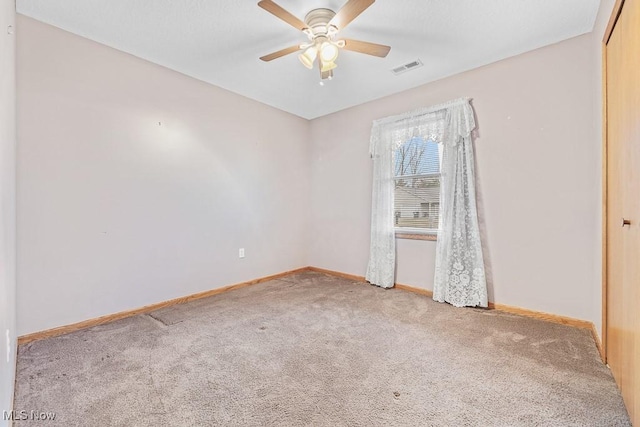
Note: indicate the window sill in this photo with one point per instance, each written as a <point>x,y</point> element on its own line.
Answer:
<point>415,236</point>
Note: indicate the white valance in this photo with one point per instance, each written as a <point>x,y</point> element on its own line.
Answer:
<point>445,123</point>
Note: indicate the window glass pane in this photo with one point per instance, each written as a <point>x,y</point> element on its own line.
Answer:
<point>417,156</point>
<point>417,198</point>
<point>417,202</point>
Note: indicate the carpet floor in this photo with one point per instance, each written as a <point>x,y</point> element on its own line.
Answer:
<point>312,349</point>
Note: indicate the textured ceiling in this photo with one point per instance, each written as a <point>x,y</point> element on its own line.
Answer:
<point>220,41</point>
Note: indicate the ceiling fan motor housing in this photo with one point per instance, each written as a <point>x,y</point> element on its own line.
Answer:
<point>318,21</point>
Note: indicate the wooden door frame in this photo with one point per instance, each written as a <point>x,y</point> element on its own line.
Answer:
<point>615,14</point>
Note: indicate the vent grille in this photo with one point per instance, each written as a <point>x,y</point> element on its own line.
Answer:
<point>406,67</point>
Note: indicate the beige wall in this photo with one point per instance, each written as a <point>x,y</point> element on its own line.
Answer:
<point>7,206</point>
<point>538,177</point>
<point>116,212</point>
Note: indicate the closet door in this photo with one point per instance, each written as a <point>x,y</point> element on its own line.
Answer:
<point>623,204</point>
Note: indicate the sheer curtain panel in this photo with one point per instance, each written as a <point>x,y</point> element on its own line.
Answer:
<point>460,276</point>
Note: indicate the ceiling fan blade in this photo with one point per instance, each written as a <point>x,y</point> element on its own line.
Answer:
<point>367,48</point>
<point>349,12</point>
<point>279,12</point>
<point>280,53</point>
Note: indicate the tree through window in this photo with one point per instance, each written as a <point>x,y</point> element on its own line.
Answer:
<point>417,185</point>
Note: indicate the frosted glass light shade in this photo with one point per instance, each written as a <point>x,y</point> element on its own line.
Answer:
<point>308,57</point>
<point>328,66</point>
<point>328,52</point>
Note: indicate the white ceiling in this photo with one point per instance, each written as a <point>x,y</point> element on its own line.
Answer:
<point>220,41</point>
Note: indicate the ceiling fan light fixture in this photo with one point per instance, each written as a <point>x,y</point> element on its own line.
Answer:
<point>321,26</point>
<point>328,52</point>
<point>308,57</point>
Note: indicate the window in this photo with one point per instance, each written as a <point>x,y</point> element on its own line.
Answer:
<point>417,186</point>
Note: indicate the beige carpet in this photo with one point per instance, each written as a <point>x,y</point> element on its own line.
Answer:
<point>312,349</point>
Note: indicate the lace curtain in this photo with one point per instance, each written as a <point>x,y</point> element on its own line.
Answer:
<point>460,277</point>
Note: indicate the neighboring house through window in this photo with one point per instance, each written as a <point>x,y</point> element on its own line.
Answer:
<point>417,186</point>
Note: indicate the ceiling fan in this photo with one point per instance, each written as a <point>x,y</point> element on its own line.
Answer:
<point>321,26</point>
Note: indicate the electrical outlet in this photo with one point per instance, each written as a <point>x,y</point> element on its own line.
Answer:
<point>241,253</point>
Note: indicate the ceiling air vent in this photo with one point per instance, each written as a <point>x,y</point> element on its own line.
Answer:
<point>406,67</point>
